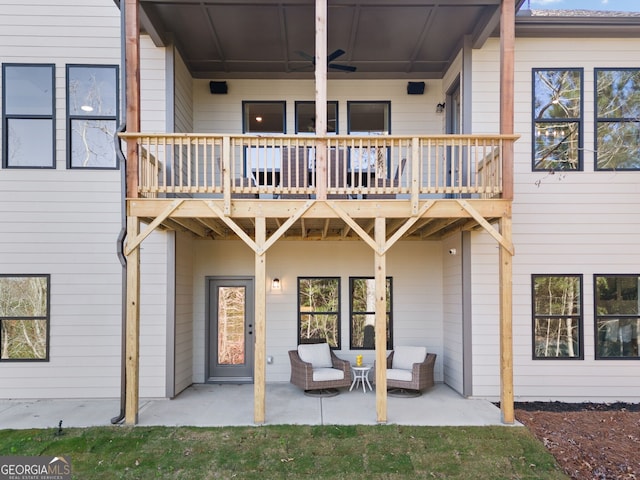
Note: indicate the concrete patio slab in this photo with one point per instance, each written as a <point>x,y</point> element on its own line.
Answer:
<point>232,405</point>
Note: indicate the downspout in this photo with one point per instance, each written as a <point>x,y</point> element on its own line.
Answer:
<point>123,218</point>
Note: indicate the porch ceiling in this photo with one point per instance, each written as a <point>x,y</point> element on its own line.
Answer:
<point>273,39</point>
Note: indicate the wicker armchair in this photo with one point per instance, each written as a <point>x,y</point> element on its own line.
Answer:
<point>405,375</point>
<point>322,379</point>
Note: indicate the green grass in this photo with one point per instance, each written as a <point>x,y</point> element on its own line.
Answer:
<point>290,452</point>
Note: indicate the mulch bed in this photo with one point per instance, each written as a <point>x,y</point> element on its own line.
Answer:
<point>589,440</point>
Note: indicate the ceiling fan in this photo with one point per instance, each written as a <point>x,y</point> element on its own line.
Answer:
<point>330,58</point>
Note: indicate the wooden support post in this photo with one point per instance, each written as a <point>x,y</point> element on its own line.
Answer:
<point>260,330</point>
<point>506,328</point>
<point>507,62</point>
<point>132,66</point>
<point>321,99</point>
<point>132,343</point>
<point>381,321</point>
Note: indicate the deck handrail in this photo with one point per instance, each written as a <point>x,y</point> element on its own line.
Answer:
<point>285,166</point>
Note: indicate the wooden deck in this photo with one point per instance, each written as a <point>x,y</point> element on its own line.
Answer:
<point>215,185</point>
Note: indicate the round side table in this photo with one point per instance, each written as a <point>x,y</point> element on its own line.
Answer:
<point>361,375</point>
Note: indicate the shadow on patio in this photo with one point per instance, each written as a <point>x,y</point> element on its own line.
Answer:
<point>226,405</point>
<point>232,405</point>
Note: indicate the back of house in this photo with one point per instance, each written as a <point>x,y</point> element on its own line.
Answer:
<point>407,172</point>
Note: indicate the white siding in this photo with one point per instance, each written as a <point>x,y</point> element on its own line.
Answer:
<point>452,315</point>
<point>183,96</point>
<point>417,292</point>
<point>410,114</point>
<point>65,222</point>
<point>184,312</point>
<point>564,223</point>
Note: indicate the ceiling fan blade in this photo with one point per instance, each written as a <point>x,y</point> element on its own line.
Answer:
<point>306,56</point>
<point>337,53</point>
<point>345,68</point>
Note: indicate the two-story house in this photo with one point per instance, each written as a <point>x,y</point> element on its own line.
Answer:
<point>192,189</point>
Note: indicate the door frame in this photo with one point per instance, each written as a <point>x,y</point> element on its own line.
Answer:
<point>249,319</point>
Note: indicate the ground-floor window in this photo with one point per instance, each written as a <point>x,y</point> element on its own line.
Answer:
<point>362,313</point>
<point>557,316</point>
<point>24,317</point>
<point>617,316</point>
<point>319,310</point>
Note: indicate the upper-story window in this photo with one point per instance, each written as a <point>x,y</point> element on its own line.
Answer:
<point>306,117</point>
<point>617,119</point>
<point>557,316</point>
<point>264,117</point>
<point>92,115</point>
<point>617,316</point>
<point>557,118</point>
<point>369,118</point>
<point>28,116</point>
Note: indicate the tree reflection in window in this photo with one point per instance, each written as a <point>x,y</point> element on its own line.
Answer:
<point>617,119</point>
<point>617,316</point>
<point>24,317</point>
<point>557,110</point>
<point>557,316</point>
<point>319,310</point>
<point>363,313</point>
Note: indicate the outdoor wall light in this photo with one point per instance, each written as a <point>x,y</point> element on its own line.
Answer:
<point>440,108</point>
<point>275,284</point>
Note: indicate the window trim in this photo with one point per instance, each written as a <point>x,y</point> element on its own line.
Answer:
<point>596,316</point>
<point>298,103</point>
<point>70,118</point>
<point>389,312</point>
<point>578,120</point>
<point>350,103</point>
<point>6,117</point>
<point>46,358</point>
<point>597,120</point>
<point>282,103</point>
<point>338,313</point>
<point>579,317</point>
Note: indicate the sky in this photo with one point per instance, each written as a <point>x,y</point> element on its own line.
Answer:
<point>611,5</point>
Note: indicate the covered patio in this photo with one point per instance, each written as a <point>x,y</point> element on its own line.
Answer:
<point>232,405</point>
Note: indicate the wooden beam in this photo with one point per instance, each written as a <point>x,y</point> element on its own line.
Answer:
<point>132,67</point>
<point>132,327</point>
<point>260,330</point>
<point>286,225</point>
<point>233,226</point>
<point>507,68</point>
<point>321,98</point>
<point>381,321</point>
<point>283,208</point>
<point>214,226</point>
<point>408,224</point>
<point>506,326</point>
<point>506,243</point>
<point>354,226</point>
<point>139,237</point>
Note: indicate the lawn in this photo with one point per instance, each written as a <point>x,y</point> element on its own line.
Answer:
<point>290,452</point>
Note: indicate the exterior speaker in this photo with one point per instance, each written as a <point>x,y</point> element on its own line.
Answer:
<point>218,87</point>
<point>415,88</point>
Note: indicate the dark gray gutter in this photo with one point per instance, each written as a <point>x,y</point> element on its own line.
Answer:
<point>578,23</point>
<point>123,218</point>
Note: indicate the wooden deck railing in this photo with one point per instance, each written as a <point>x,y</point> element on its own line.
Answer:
<point>283,166</point>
